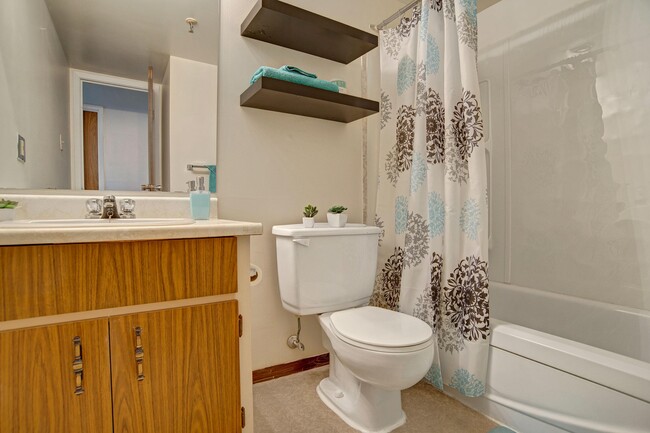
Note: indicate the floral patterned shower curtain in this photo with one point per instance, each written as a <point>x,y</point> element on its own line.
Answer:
<point>432,191</point>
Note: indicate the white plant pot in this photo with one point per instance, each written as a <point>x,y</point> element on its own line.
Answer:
<point>307,222</point>
<point>337,219</point>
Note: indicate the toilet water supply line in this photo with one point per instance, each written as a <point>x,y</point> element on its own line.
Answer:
<point>294,341</point>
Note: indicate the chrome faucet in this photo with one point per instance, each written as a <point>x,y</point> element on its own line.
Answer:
<point>109,208</point>
<point>106,208</point>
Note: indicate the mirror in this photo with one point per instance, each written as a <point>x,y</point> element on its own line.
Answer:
<point>51,49</point>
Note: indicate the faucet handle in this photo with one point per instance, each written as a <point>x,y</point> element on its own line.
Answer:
<point>127,208</point>
<point>94,207</point>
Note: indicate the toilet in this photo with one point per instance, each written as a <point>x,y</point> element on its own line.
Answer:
<point>374,353</point>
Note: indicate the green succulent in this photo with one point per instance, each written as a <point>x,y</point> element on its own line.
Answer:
<point>8,204</point>
<point>310,211</point>
<point>337,209</point>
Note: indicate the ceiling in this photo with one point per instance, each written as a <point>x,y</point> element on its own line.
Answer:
<point>124,37</point>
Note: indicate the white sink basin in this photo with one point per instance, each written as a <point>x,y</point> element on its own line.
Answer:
<point>70,223</point>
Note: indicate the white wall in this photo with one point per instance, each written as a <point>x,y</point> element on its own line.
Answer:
<point>570,195</point>
<point>189,119</point>
<point>33,97</point>
<point>125,133</point>
<point>270,165</point>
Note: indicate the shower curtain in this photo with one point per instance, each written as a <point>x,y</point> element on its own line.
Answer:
<point>432,188</point>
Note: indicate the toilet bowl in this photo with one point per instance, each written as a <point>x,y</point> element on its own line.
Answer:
<point>374,354</point>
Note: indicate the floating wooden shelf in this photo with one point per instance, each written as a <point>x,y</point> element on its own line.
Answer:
<point>277,95</point>
<point>289,26</point>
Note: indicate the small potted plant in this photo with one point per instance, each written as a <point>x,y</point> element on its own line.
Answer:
<point>336,217</point>
<point>308,215</point>
<point>7,209</point>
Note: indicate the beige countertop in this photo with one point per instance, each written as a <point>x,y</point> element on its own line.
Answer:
<point>67,235</point>
<point>40,206</point>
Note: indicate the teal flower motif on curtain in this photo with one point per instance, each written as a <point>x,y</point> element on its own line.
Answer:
<point>467,24</point>
<point>433,56</point>
<point>423,28</point>
<point>467,384</point>
<point>470,7</point>
<point>470,218</point>
<point>401,214</point>
<point>406,71</point>
<point>418,172</point>
<point>436,215</point>
<point>434,377</point>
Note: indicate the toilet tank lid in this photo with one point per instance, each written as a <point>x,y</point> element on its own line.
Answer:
<point>324,229</point>
<point>380,327</point>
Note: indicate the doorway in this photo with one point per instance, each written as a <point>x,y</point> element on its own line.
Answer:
<point>109,137</point>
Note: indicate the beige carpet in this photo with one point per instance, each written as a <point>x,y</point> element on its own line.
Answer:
<point>290,405</point>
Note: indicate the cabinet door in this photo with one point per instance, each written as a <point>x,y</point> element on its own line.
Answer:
<point>181,374</point>
<point>38,382</point>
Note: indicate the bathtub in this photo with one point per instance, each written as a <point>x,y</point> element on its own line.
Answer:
<point>559,363</point>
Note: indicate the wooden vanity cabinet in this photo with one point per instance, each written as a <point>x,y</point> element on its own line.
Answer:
<point>189,371</point>
<point>45,280</point>
<point>168,368</point>
<point>38,387</point>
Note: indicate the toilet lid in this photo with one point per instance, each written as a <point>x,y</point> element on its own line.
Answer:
<point>380,327</point>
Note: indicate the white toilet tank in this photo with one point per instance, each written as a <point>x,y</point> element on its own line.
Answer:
<point>323,268</point>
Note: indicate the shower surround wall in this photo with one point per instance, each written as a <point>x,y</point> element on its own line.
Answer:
<point>570,91</point>
<point>567,84</point>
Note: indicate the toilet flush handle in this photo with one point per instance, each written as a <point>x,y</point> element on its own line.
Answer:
<point>303,242</point>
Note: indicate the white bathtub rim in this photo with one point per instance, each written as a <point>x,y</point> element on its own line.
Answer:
<point>612,370</point>
<point>562,296</point>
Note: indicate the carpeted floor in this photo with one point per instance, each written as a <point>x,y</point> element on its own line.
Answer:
<point>290,405</point>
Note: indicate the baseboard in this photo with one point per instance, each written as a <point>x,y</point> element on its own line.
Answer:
<point>268,373</point>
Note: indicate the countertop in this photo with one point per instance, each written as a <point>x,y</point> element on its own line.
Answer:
<point>68,235</point>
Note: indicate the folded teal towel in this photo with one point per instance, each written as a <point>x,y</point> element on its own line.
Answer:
<point>296,70</point>
<point>293,77</point>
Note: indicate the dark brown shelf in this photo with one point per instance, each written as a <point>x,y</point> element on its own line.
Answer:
<point>283,96</point>
<point>289,26</point>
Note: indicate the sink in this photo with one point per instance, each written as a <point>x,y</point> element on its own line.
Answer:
<point>103,223</point>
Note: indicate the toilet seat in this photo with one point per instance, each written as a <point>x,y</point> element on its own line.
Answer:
<point>381,330</point>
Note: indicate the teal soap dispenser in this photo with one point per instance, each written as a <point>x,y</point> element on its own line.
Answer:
<point>200,202</point>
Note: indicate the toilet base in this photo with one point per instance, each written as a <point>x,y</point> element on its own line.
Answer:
<point>362,406</point>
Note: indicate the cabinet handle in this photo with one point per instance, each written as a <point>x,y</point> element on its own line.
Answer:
<point>139,353</point>
<point>78,366</point>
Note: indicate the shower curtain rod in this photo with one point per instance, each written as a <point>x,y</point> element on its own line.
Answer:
<point>400,12</point>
